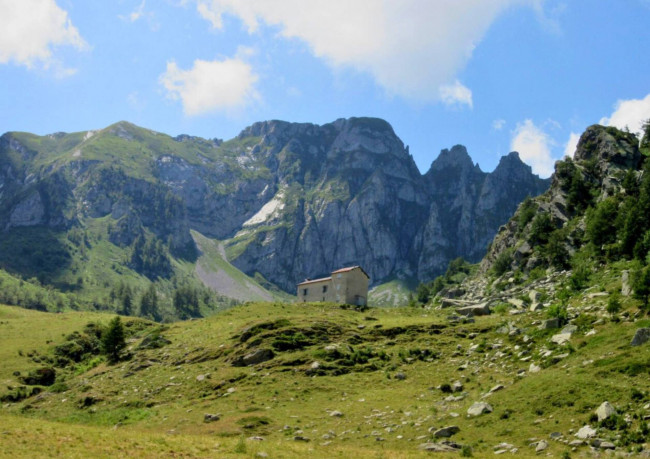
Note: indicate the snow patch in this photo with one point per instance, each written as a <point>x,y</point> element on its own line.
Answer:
<point>89,134</point>
<point>267,210</point>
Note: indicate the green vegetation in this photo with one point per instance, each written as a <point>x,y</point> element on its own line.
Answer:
<point>112,340</point>
<point>457,271</point>
<point>377,367</point>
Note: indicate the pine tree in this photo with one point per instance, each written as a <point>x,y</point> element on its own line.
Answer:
<point>113,341</point>
<point>127,302</point>
<point>149,304</point>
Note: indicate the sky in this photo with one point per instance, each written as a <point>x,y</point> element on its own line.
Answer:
<point>493,75</point>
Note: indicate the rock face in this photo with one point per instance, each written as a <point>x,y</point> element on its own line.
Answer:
<point>290,200</point>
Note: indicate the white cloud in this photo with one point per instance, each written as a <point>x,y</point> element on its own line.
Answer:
<point>497,125</point>
<point>29,29</point>
<point>571,145</point>
<point>136,13</point>
<point>456,95</point>
<point>630,113</point>
<point>534,147</point>
<point>412,48</point>
<point>211,85</point>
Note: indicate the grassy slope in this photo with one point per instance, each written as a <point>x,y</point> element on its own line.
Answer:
<point>216,272</point>
<point>166,397</point>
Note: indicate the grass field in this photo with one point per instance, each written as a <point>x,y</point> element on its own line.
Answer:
<point>341,383</point>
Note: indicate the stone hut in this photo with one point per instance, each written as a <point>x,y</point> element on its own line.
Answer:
<point>346,285</point>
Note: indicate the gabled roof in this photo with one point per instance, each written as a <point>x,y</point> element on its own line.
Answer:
<point>338,271</point>
<point>312,281</point>
<point>351,268</point>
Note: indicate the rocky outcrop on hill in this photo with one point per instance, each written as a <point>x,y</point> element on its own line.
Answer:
<point>603,158</point>
<point>290,200</point>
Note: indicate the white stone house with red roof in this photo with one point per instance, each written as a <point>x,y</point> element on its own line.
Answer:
<point>346,285</point>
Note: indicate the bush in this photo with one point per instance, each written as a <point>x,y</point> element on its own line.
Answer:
<point>40,377</point>
<point>614,303</point>
<point>502,263</point>
<point>641,285</point>
<point>541,229</point>
<point>527,211</point>
<point>558,311</point>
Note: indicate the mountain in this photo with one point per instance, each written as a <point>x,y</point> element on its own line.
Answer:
<point>287,200</point>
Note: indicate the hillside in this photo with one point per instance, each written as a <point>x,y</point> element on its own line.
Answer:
<point>331,381</point>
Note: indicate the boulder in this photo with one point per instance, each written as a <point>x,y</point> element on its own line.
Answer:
<point>641,336</point>
<point>253,358</point>
<point>626,288</point>
<point>439,447</point>
<point>446,432</point>
<point>541,446</point>
<point>481,309</point>
<point>561,338</point>
<point>550,324</point>
<point>586,432</point>
<point>479,408</point>
<point>605,410</point>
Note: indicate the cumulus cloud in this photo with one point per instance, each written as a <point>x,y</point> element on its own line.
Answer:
<point>211,85</point>
<point>629,114</point>
<point>456,95</point>
<point>534,147</point>
<point>571,145</point>
<point>412,48</point>
<point>30,29</point>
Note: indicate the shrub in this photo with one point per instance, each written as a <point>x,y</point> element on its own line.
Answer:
<point>541,229</point>
<point>559,312</point>
<point>40,377</point>
<point>466,451</point>
<point>502,263</point>
<point>527,211</point>
<point>614,303</point>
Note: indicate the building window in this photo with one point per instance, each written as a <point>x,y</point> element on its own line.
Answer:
<point>304,292</point>
<point>324,288</point>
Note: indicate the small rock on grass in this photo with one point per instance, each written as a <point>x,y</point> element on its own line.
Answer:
<point>211,417</point>
<point>446,432</point>
<point>586,432</point>
<point>479,408</point>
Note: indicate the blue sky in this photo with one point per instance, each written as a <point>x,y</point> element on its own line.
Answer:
<point>494,75</point>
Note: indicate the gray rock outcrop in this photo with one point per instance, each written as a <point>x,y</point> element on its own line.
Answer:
<point>641,336</point>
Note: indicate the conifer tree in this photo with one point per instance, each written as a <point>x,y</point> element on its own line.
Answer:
<point>113,341</point>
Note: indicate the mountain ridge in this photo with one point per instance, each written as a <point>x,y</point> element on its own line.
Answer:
<point>289,200</point>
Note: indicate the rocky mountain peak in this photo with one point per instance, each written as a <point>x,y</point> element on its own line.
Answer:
<point>456,157</point>
<point>609,145</point>
<point>511,165</point>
